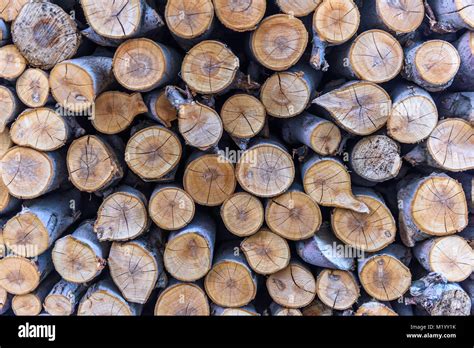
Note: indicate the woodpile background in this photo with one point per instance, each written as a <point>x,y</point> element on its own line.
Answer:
<point>236,157</point>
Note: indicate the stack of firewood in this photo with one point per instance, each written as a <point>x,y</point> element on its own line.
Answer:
<point>236,157</point>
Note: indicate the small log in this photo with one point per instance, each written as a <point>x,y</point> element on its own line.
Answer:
<point>293,286</point>
<point>9,106</point>
<point>19,275</point>
<point>137,267</point>
<point>374,308</point>
<point>31,304</point>
<point>8,203</point>
<point>189,251</point>
<point>32,87</point>
<point>63,298</point>
<point>384,275</point>
<point>317,309</point>
<point>230,282</point>
<point>242,214</point>
<point>276,310</point>
<point>297,8</point>
<point>457,105</point>
<point>420,197</point>
<point>376,158</point>
<point>413,115</point>
<point>122,215</point>
<point>431,64</point>
<point>265,169</point>
<point>450,256</point>
<point>240,16</point>
<point>77,82</point>
<point>279,42</point>
<point>450,16</point>
<point>45,34</point>
<point>171,207</point>
<point>93,164</point>
<point>142,64</point>
<point>266,252</point>
<point>374,55</point>
<point>9,9</point>
<point>287,94</point>
<point>104,299</point>
<point>5,301</point>
<point>321,135</point>
<point>80,257</point>
<point>115,111</point>
<point>182,299</point>
<point>243,116</point>
<point>248,310</point>
<point>337,289</point>
<point>44,129</point>
<point>209,178</point>
<point>438,297</point>
<point>29,173</point>
<point>294,215</point>
<point>369,232</point>
<point>159,108</point>
<point>41,222</point>
<point>359,107</point>
<point>464,79</point>
<point>13,62</point>
<point>209,67</point>
<point>325,250</point>
<point>153,152</point>
<point>327,181</point>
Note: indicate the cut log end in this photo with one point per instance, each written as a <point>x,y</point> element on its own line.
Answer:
<point>182,299</point>
<point>103,301</point>
<point>18,275</point>
<point>336,21</point>
<point>299,8</point>
<point>9,9</point>
<point>337,289</point>
<point>374,308</point>
<point>28,304</point>
<point>240,15</point>
<point>243,116</point>
<point>189,20</point>
<point>401,17</point>
<point>161,109</point>
<point>242,214</point>
<point>9,105</point>
<point>26,235</point>
<point>171,208</point>
<point>32,88</point>
<point>13,62</point>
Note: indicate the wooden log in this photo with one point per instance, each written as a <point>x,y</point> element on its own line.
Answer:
<point>248,310</point>
<point>5,141</point>
<point>182,299</point>
<point>8,203</point>
<point>374,55</point>
<point>359,107</point>
<point>5,301</point>
<point>19,275</point>
<point>468,286</point>
<point>153,152</point>
<point>230,282</point>
<point>266,252</point>
<point>337,289</point>
<point>450,16</point>
<point>297,8</point>
<point>420,197</point>
<point>369,232</point>
<point>45,34</point>
<point>457,105</point>
<point>325,250</point>
<point>279,42</point>
<point>294,215</point>
<point>9,9</point>
<point>376,158</point>
<point>240,16</point>
<point>431,64</point>
<point>44,129</point>
<point>397,17</point>
<point>115,111</point>
<point>200,125</point>
<point>189,251</point>
<point>242,214</point>
<point>171,207</point>
<point>319,134</point>
<point>9,106</point>
<point>31,304</point>
<point>276,310</point>
<point>438,297</point>
<point>327,181</point>
<point>93,164</point>
<point>13,62</point>
<point>317,309</point>
<point>293,286</point>
<point>80,257</point>
<point>32,87</point>
<point>209,178</point>
<point>5,35</point>
<point>137,267</point>
<point>287,94</point>
<point>75,83</point>
<point>29,173</point>
<point>63,298</point>
<point>413,115</point>
<point>450,256</point>
<point>159,108</point>
<point>103,298</point>
<point>142,64</point>
<point>374,308</point>
<point>384,275</point>
<point>122,215</point>
<point>266,169</point>
<point>464,79</point>
<point>41,222</point>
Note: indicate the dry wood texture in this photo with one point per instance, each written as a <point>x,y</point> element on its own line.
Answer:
<point>236,157</point>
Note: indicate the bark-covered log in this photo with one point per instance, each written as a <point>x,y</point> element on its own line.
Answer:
<point>8,203</point>
<point>31,304</point>
<point>464,79</point>
<point>5,34</point>
<point>337,289</point>
<point>63,298</point>
<point>159,108</point>
<point>32,87</point>
<point>458,105</point>
<point>242,214</point>
<point>182,299</point>
<point>240,15</point>
<point>450,15</point>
